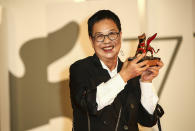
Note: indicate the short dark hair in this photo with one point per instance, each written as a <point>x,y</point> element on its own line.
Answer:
<point>100,15</point>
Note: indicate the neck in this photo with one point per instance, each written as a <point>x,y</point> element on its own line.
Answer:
<point>110,63</point>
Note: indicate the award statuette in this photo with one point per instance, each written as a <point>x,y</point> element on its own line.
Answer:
<point>145,48</point>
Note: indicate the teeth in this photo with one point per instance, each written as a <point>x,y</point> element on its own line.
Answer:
<point>108,48</point>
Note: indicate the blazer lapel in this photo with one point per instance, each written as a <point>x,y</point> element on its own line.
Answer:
<point>120,64</point>
<point>102,74</point>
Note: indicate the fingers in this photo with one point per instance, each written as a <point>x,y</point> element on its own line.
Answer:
<point>142,64</point>
<point>139,71</point>
<point>139,57</point>
<point>135,68</point>
<point>144,68</point>
<point>154,70</point>
<point>160,64</point>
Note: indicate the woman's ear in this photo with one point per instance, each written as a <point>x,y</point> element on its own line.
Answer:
<point>121,34</point>
<point>91,40</point>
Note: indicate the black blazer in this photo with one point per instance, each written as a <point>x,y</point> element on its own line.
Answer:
<point>85,76</point>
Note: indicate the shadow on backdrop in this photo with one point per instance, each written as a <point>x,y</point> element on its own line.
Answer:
<point>34,100</point>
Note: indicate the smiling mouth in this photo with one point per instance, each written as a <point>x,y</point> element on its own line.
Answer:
<point>108,48</point>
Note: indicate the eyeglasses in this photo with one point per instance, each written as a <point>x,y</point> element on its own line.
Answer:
<point>100,37</point>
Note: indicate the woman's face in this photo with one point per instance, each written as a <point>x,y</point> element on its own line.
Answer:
<point>107,48</point>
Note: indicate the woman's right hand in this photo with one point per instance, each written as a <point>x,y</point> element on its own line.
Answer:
<point>131,69</point>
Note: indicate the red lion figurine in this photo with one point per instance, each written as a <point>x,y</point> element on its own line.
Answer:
<point>144,48</point>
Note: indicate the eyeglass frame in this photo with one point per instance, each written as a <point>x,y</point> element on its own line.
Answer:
<point>107,36</point>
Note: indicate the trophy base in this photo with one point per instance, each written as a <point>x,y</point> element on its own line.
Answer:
<point>152,61</point>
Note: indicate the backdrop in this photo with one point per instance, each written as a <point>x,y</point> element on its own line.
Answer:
<point>44,38</point>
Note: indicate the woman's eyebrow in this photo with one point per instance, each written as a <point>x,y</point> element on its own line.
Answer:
<point>106,32</point>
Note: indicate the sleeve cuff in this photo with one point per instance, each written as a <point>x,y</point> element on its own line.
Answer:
<point>149,98</point>
<point>106,92</point>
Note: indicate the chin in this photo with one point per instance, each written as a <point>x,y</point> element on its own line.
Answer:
<point>111,56</point>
